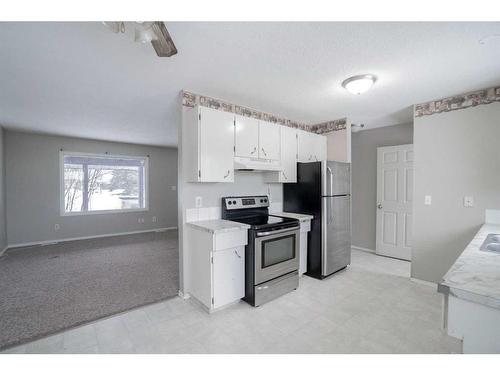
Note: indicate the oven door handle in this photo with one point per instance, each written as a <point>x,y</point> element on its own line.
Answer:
<point>261,234</point>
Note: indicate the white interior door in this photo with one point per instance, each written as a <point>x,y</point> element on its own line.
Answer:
<point>394,201</point>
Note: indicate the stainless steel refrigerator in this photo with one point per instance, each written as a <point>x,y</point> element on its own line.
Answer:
<point>323,189</point>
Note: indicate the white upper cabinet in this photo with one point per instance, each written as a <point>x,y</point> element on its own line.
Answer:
<point>246,137</point>
<point>208,145</point>
<point>288,158</point>
<point>305,146</point>
<point>269,140</point>
<point>319,146</point>
<point>311,147</point>
<point>288,154</point>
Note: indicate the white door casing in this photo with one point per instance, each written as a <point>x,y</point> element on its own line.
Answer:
<point>394,201</point>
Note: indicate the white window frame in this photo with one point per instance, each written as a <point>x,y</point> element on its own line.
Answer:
<point>63,212</point>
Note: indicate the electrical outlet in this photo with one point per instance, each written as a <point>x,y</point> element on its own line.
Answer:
<point>154,219</point>
<point>141,220</point>
<point>468,201</point>
<point>428,200</point>
<point>198,202</point>
<point>57,227</point>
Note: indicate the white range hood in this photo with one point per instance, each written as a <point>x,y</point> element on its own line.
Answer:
<point>255,164</point>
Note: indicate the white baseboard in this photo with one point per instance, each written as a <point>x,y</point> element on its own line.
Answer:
<point>424,282</point>
<point>366,250</point>
<point>2,252</point>
<point>184,295</point>
<point>50,242</point>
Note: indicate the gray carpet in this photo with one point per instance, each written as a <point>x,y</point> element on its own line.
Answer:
<point>46,289</point>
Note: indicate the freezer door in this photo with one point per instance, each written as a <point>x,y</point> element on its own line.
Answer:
<point>337,179</point>
<point>336,242</point>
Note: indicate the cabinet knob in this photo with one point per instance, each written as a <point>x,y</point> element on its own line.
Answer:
<point>379,206</point>
<point>284,175</point>
<point>254,150</point>
<point>264,151</point>
<point>227,174</point>
<point>238,255</point>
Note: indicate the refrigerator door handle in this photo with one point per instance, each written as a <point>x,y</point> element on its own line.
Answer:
<point>331,179</point>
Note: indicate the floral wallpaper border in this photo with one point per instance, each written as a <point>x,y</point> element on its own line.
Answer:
<point>453,103</point>
<point>190,99</point>
<point>329,126</point>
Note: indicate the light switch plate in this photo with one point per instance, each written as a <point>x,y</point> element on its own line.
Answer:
<point>198,202</point>
<point>428,200</point>
<point>468,201</point>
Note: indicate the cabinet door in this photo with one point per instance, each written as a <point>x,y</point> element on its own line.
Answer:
<point>288,154</point>
<point>229,276</point>
<point>269,140</point>
<point>305,146</point>
<point>246,137</point>
<point>319,148</point>
<point>216,145</point>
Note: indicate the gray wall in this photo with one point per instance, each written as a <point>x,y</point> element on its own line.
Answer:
<point>364,177</point>
<point>32,188</point>
<point>456,154</point>
<point>3,228</point>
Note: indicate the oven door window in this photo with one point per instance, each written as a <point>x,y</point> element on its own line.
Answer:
<point>278,250</point>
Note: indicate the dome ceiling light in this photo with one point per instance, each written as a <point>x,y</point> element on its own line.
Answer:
<point>359,84</point>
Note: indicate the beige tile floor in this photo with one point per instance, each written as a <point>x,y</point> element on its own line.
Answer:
<point>372,307</point>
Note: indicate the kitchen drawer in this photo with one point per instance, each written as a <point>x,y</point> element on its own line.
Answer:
<point>277,287</point>
<point>231,239</point>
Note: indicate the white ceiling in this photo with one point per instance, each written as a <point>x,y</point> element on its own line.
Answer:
<point>79,79</point>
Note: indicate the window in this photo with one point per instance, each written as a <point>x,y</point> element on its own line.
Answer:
<point>100,183</point>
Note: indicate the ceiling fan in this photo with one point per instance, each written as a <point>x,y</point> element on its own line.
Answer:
<point>145,32</point>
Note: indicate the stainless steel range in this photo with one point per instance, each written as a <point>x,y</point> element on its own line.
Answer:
<point>272,253</point>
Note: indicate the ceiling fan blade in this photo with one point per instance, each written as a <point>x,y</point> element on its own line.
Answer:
<point>163,44</point>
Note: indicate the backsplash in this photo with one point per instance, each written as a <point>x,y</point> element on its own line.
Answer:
<point>453,103</point>
<point>190,99</point>
<point>214,213</point>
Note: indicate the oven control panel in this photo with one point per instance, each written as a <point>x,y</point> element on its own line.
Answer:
<point>233,203</point>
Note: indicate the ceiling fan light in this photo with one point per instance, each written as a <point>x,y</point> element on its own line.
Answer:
<point>359,84</point>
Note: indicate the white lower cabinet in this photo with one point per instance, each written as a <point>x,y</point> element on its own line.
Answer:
<point>228,276</point>
<point>216,266</point>
<point>305,227</point>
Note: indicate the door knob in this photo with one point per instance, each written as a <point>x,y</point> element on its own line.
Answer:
<point>379,206</point>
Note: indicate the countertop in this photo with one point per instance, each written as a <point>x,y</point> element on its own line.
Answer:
<point>218,226</point>
<point>300,217</point>
<point>475,276</point>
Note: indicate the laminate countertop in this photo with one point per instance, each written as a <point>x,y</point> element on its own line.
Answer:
<point>292,215</point>
<point>475,275</point>
<point>218,226</point>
